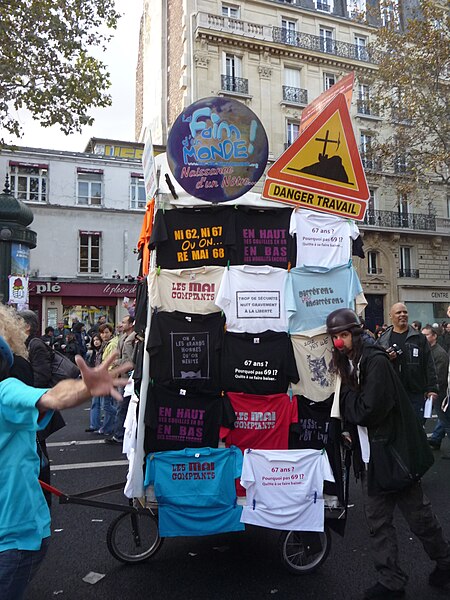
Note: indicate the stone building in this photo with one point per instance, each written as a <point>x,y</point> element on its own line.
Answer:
<point>276,56</point>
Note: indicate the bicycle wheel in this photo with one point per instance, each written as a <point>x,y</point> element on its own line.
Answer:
<point>302,552</point>
<point>134,537</point>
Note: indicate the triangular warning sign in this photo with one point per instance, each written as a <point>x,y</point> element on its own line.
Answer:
<point>324,159</point>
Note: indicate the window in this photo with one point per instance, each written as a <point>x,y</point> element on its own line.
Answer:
<point>356,8</point>
<point>89,252</point>
<point>232,80</point>
<point>365,148</point>
<point>448,207</point>
<point>324,5</point>
<point>288,31</point>
<point>406,263</point>
<point>326,40</point>
<point>138,197</point>
<point>291,89</point>
<point>230,11</point>
<point>363,102</point>
<point>370,217</point>
<point>390,13</point>
<point>90,188</point>
<point>403,210</point>
<point>372,263</point>
<point>329,79</point>
<point>29,182</point>
<point>291,132</point>
<point>361,47</point>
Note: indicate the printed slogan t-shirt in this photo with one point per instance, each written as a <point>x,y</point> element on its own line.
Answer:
<point>252,298</point>
<point>322,240</point>
<point>178,419</point>
<point>263,238</point>
<point>285,488</point>
<point>185,290</point>
<point>192,237</point>
<point>312,293</point>
<point>257,363</point>
<point>195,489</point>
<point>185,349</point>
<point>313,358</point>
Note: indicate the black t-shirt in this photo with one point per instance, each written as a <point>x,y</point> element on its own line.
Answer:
<point>263,238</point>
<point>185,349</point>
<point>185,238</point>
<point>177,419</point>
<point>258,363</point>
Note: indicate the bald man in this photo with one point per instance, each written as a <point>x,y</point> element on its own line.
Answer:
<point>411,357</point>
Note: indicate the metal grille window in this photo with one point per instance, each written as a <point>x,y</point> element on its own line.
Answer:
<point>89,250</point>
<point>137,192</point>
<point>29,182</point>
<point>90,188</point>
<point>326,39</point>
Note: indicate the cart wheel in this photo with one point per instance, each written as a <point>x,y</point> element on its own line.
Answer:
<point>134,537</point>
<point>302,552</point>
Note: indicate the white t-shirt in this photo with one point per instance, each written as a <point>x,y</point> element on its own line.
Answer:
<point>252,298</point>
<point>185,290</point>
<point>285,488</point>
<point>322,240</point>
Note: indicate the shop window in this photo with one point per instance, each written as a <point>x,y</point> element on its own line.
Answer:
<point>29,182</point>
<point>89,252</point>
<point>137,192</point>
<point>90,187</point>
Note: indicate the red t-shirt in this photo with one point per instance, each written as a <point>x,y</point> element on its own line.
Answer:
<point>262,422</point>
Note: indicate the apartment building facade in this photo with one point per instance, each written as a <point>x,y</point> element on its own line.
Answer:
<point>88,209</point>
<point>276,56</point>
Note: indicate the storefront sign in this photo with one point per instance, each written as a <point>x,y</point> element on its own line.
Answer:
<point>425,295</point>
<point>112,290</point>
<point>217,149</point>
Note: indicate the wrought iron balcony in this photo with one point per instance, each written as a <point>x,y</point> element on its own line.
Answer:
<point>394,220</point>
<point>321,44</point>
<point>295,95</point>
<point>413,273</point>
<point>234,84</point>
<point>364,107</point>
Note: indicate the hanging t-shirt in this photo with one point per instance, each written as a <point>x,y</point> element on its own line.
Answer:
<point>263,238</point>
<point>322,240</point>
<point>252,298</point>
<point>192,237</point>
<point>313,358</point>
<point>195,489</point>
<point>257,363</point>
<point>185,290</point>
<point>313,293</point>
<point>285,488</point>
<point>182,419</point>
<point>185,349</point>
<point>261,421</point>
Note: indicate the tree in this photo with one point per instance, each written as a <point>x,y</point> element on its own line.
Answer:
<point>411,88</point>
<point>45,61</point>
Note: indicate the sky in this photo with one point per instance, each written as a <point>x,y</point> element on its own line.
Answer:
<point>114,122</point>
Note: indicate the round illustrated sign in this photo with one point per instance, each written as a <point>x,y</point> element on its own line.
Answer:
<point>217,149</point>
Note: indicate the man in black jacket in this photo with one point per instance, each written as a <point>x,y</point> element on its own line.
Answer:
<point>411,357</point>
<point>391,453</point>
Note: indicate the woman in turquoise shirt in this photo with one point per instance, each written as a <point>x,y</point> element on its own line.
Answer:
<point>24,514</point>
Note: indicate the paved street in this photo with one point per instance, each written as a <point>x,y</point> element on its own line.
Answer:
<point>228,567</point>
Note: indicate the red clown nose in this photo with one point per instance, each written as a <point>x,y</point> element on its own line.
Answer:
<point>339,344</point>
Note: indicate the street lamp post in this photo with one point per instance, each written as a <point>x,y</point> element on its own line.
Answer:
<point>15,216</point>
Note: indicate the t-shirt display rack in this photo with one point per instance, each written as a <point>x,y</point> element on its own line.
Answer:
<point>207,252</point>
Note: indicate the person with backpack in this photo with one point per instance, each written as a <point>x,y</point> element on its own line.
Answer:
<point>390,454</point>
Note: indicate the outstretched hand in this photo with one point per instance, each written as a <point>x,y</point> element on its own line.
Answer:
<point>101,381</point>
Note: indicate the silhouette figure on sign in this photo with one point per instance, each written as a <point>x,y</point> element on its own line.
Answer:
<point>328,168</point>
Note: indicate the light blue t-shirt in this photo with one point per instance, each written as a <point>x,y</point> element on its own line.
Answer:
<point>24,514</point>
<point>195,489</point>
<point>312,293</point>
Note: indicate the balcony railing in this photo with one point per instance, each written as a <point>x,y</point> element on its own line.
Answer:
<point>295,95</point>
<point>394,220</point>
<point>370,163</point>
<point>234,84</point>
<point>321,44</point>
<point>413,273</point>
